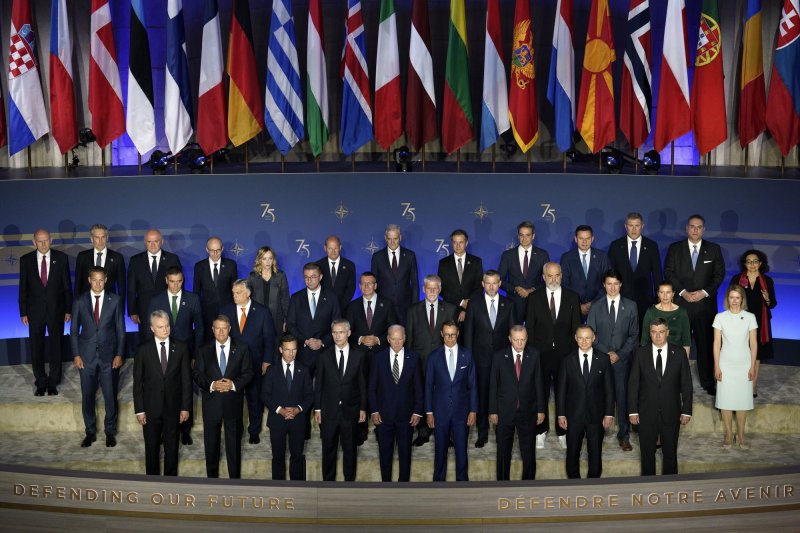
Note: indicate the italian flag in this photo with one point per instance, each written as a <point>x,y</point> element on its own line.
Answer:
<point>388,105</point>
<point>317,90</point>
<point>457,112</point>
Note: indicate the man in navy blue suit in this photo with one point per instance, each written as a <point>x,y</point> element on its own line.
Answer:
<point>251,324</point>
<point>582,268</point>
<point>521,269</point>
<point>338,273</point>
<point>287,392</point>
<point>396,270</point>
<point>395,397</point>
<point>451,401</point>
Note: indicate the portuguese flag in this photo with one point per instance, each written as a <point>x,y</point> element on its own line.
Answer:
<point>709,120</point>
<point>457,114</point>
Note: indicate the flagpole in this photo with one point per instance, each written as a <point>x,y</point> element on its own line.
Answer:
<point>175,164</point>
<point>708,164</point>
<point>283,160</point>
<point>211,163</point>
<point>140,162</point>
<point>599,163</point>
<point>423,158</point>
<point>672,158</point>
<point>353,162</point>
<point>635,160</point>
<point>103,160</point>
<point>493,158</point>
<point>783,161</point>
<point>246,160</point>
<point>387,160</point>
<point>746,154</point>
<point>30,167</point>
<point>458,160</point>
<point>66,165</point>
<point>316,159</point>
<point>565,162</point>
<point>529,161</point>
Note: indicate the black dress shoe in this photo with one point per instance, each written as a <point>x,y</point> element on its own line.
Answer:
<point>186,439</point>
<point>88,440</point>
<point>39,391</point>
<point>419,441</point>
<point>52,391</point>
<point>480,443</point>
<point>111,441</point>
<point>254,438</point>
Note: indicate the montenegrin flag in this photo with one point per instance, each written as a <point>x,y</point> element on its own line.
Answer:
<point>636,98</point>
<point>420,97</point>
<point>494,111</point>
<point>388,102</point>
<point>783,101</point>
<point>457,113</point>
<point>62,90</point>
<point>709,119</point>
<point>105,88</point>
<point>561,81</point>
<point>522,109</point>
<point>245,107</point>
<point>596,120</point>
<point>753,93</point>
<point>317,84</point>
<point>140,119</point>
<point>212,128</point>
<point>673,115</point>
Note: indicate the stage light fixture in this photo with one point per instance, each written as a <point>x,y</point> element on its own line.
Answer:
<point>509,148</point>
<point>194,157</point>
<point>402,159</point>
<point>85,136</point>
<point>158,162</point>
<point>612,159</point>
<point>651,162</point>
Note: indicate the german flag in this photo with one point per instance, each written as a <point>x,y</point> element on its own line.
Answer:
<point>245,106</point>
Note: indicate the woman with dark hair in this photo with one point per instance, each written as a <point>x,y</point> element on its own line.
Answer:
<point>269,287</point>
<point>759,290</point>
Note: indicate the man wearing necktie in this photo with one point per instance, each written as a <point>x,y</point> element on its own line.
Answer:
<point>660,398</point>
<point>521,269</point>
<point>585,402</point>
<point>461,274</point>
<point>582,268</point>
<point>338,273</point>
<point>101,255</point>
<point>212,282</point>
<point>396,270</point>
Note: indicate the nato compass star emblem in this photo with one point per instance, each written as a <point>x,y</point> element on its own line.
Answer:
<point>511,245</point>
<point>481,212</point>
<point>341,212</point>
<point>237,249</point>
<point>11,260</point>
<point>372,247</point>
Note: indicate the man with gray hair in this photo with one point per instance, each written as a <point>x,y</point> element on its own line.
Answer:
<point>100,255</point>
<point>396,270</point>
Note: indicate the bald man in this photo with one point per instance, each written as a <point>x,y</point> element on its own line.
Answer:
<point>147,275</point>
<point>212,282</point>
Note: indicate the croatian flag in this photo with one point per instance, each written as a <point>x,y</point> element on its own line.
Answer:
<point>27,118</point>
<point>62,91</point>
<point>494,111</point>
<point>177,94</point>
<point>561,82</point>
<point>212,125</point>
<point>356,105</point>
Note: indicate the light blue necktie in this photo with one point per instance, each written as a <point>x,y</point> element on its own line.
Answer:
<point>313,305</point>
<point>223,364</point>
<point>694,257</point>
<point>585,266</point>
<point>452,365</point>
<point>492,314</point>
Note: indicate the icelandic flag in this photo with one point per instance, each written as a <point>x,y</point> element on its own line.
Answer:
<point>561,82</point>
<point>283,110</point>
<point>27,118</point>
<point>62,90</point>
<point>356,105</point>
<point>177,94</point>
<point>494,111</point>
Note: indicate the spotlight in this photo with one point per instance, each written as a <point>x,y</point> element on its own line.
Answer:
<point>402,159</point>
<point>85,136</point>
<point>75,162</point>
<point>158,162</point>
<point>612,159</point>
<point>651,162</point>
<point>509,148</point>
<point>194,157</point>
<point>572,155</point>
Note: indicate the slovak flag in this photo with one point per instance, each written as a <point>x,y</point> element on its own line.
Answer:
<point>783,100</point>
<point>62,90</point>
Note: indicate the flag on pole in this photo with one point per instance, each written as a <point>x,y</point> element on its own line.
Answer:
<point>2,122</point>
<point>673,115</point>
<point>494,111</point>
<point>245,107</point>
<point>561,80</point>
<point>420,97</point>
<point>140,120</point>
<point>356,103</point>
<point>596,120</point>
<point>709,119</point>
<point>62,90</point>
<point>457,113</point>
<point>783,101</point>
<point>212,131</point>
<point>177,93</point>
<point>105,89</point>
<point>524,114</point>
<point>388,103</point>
<point>636,98</point>
<point>283,97</point>
<point>317,83</point>
<point>27,118</point>
<point>753,93</point>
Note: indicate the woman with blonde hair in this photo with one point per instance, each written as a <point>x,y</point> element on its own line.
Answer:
<point>269,287</point>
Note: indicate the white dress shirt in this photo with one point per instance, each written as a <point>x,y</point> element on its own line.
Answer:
<point>101,294</point>
<point>48,256</point>
<point>103,254</point>
<point>556,297</point>
<point>521,254</point>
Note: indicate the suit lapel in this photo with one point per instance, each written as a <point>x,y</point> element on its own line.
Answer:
<point>172,359</point>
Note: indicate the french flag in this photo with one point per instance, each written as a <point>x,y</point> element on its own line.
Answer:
<point>62,90</point>
<point>561,82</point>
<point>212,131</point>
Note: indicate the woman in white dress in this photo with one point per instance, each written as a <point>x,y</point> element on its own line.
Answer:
<point>735,347</point>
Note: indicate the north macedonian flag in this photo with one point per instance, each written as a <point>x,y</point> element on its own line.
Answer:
<point>709,120</point>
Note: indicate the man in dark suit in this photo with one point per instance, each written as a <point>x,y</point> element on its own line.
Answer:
<point>585,402</point>
<point>696,270</point>
<point>252,325</point>
<point>338,273</point>
<point>162,393</point>
<point>660,398</point>
<point>582,268</point>
<point>287,392</point>
<point>100,255</point>
<point>45,301</point>
<point>213,281</point>
<point>97,339</point>
<point>521,269</point>
<point>147,275</point>
<point>552,318</point>
<point>340,401</point>
<point>488,320</point>
<point>516,399</point>
<point>424,328</point>
<point>396,270</point>
<point>615,322</point>
<point>461,274</point>
<point>395,399</point>
<point>451,401</point>
<point>638,263</point>
<point>222,370</point>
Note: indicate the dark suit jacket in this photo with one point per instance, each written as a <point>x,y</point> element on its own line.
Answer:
<point>238,368</point>
<point>278,296</point>
<point>89,340</point>
<point>672,396</point>
<point>446,399</point>
<point>622,336</point>
<point>115,272</point>
<point>275,392</point>
<point>213,298</point>
<point>188,328</point>
<point>140,281</point>
<point>470,286</point>
<point>590,287</point>
<point>583,402</point>
<point>543,333</point>
<point>479,337</point>
<point>418,335</point>
<point>258,334</point>
<point>157,393</point>
<point>403,288</point>
<point>511,271</point>
<point>300,324</point>
<point>506,392</point>
<point>345,286</point>
<point>336,395</point>
<point>383,316</point>
<point>38,302</point>
<point>707,276</point>
<point>640,285</point>
<point>396,402</point>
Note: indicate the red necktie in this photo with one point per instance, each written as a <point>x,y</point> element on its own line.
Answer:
<point>96,310</point>
<point>518,366</point>
<point>44,271</point>
<point>394,263</point>
<point>525,265</point>
<point>369,314</point>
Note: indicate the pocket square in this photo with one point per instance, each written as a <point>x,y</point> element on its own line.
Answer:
<point>708,261</point>
<point>463,367</point>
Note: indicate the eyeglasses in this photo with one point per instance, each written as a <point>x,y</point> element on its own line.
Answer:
<point>449,334</point>
<point>752,262</point>
<point>311,277</point>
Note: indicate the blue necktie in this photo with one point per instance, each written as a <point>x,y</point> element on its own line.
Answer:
<point>694,257</point>
<point>313,305</point>
<point>634,256</point>
<point>223,364</point>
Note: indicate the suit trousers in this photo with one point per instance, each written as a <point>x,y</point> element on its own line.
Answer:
<point>701,322</point>
<point>36,331</point>
<point>91,373</point>
<point>295,430</point>
<point>594,433</point>
<point>234,429</point>
<point>484,375</point>
<point>441,434</point>
<point>255,407</point>
<point>165,426</point>
<point>551,363</point>
<point>621,372</point>
<point>389,432</point>
<point>524,427</point>
<point>648,436</point>
<point>335,430</point>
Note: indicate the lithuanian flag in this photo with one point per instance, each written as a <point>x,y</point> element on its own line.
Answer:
<point>457,113</point>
